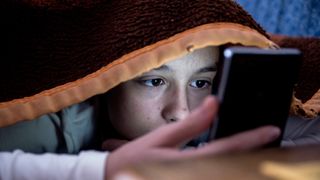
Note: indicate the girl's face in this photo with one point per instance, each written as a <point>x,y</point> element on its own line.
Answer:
<point>163,95</point>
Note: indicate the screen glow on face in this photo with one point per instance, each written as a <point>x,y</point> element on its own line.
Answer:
<point>163,95</point>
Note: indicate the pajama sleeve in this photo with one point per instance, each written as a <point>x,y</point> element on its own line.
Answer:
<point>300,131</point>
<point>21,165</point>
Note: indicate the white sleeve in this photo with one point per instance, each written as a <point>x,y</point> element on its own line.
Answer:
<point>21,165</point>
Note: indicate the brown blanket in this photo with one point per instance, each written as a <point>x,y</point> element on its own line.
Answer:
<point>308,85</point>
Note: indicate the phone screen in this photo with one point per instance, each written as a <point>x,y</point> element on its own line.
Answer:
<point>254,88</point>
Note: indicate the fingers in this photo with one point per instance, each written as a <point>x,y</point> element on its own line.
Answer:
<point>174,134</point>
<point>241,142</point>
<point>112,144</point>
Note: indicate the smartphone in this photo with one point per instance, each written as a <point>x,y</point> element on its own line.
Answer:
<point>254,88</point>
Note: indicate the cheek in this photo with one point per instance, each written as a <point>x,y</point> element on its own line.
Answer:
<point>134,116</point>
<point>196,97</point>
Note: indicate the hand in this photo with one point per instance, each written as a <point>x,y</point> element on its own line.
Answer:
<point>163,143</point>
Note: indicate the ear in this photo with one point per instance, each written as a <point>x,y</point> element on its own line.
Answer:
<point>306,100</point>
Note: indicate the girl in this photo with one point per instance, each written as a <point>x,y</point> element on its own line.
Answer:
<point>64,55</point>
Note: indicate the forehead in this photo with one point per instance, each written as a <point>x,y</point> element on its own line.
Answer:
<point>207,56</point>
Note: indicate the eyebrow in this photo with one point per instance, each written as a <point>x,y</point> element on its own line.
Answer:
<point>207,69</point>
<point>202,70</point>
<point>162,68</point>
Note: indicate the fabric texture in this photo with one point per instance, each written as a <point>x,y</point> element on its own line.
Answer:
<point>54,47</point>
<point>20,165</point>
<point>68,131</point>
<point>287,17</point>
<point>56,57</point>
<point>301,132</point>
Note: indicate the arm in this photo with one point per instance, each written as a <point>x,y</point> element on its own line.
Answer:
<point>20,165</point>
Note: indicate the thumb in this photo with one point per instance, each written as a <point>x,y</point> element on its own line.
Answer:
<point>112,144</point>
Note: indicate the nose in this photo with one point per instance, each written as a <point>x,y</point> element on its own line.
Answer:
<point>176,107</point>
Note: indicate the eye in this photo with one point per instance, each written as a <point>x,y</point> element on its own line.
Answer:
<point>200,83</point>
<point>153,82</point>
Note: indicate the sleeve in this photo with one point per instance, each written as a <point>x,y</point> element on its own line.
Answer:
<point>21,165</point>
<point>301,132</point>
